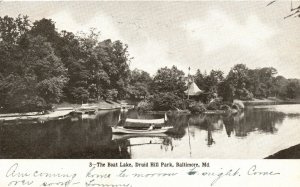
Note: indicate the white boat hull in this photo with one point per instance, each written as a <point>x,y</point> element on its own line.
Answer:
<point>122,130</point>
<point>130,136</point>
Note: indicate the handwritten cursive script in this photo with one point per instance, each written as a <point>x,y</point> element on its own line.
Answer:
<point>99,177</point>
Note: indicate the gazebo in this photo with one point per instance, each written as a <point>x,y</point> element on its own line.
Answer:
<point>193,89</point>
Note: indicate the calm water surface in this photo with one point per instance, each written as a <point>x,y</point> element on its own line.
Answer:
<point>255,133</point>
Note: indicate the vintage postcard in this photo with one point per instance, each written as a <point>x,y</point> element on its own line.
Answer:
<point>149,93</point>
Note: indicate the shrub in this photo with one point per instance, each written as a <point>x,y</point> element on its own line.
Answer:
<point>225,107</point>
<point>79,94</point>
<point>31,104</point>
<point>166,101</point>
<point>214,104</point>
<point>196,107</point>
<point>145,105</point>
<point>244,94</point>
<point>237,104</point>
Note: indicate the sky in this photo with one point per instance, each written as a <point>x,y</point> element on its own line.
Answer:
<point>201,35</point>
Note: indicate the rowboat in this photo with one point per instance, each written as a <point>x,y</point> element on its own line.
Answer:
<point>146,121</point>
<point>117,137</point>
<point>142,126</point>
<point>122,130</point>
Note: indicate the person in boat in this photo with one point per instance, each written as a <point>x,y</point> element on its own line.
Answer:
<point>151,127</point>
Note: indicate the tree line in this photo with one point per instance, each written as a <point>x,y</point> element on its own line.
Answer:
<point>245,84</point>
<point>168,86</point>
<point>41,66</point>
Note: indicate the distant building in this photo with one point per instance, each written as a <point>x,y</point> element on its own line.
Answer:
<point>193,89</point>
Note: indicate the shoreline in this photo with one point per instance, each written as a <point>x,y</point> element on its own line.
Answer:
<point>292,152</point>
<point>59,111</point>
<point>270,101</point>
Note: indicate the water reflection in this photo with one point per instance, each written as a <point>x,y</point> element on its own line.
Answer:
<point>91,136</point>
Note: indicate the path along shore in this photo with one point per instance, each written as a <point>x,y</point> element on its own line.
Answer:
<point>60,111</point>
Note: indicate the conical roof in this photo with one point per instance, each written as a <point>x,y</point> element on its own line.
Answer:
<point>193,89</point>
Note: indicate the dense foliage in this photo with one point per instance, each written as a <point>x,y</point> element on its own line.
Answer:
<point>245,84</point>
<point>139,84</point>
<point>196,107</point>
<point>169,80</point>
<point>166,101</point>
<point>41,66</point>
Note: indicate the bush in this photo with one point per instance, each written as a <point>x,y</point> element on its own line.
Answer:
<point>79,94</point>
<point>225,107</point>
<point>166,101</point>
<point>196,107</point>
<point>145,105</point>
<point>214,104</point>
<point>244,94</point>
<point>111,94</point>
<point>29,104</point>
<point>238,105</point>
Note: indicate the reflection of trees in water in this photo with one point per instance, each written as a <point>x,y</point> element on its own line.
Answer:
<point>109,118</point>
<point>123,150</point>
<point>85,138</point>
<point>140,115</point>
<point>229,124</point>
<point>241,129</point>
<point>210,139</point>
<point>208,123</point>
<point>205,122</point>
<point>179,123</point>
<point>167,142</point>
<point>91,138</point>
<point>240,124</point>
<point>124,145</point>
<point>211,123</point>
<point>252,120</point>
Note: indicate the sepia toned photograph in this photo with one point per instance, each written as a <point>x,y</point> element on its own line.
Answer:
<point>154,80</point>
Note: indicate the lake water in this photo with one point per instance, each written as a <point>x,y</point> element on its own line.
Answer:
<point>255,133</point>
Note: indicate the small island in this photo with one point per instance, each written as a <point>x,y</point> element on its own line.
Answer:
<point>215,93</point>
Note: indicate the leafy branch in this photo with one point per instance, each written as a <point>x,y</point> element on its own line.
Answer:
<point>294,11</point>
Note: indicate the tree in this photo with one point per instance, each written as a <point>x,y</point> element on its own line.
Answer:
<point>99,68</point>
<point>261,81</point>
<point>291,90</point>
<point>32,77</point>
<point>200,80</point>
<point>238,77</point>
<point>213,80</point>
<point>45,28</point>
<point>11,30</point>
<point>280,84</point>
<point>115,59</point>
<point>165,101</point>
<point>139,84</point>
<point>226,91</point>
<point>139,76</point>
<point>215,77</point>
<point>169,80</point>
